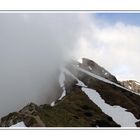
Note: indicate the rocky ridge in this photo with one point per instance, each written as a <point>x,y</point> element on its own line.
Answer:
<point>131,85</point>
<point>76,108</point>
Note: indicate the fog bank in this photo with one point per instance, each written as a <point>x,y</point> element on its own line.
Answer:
<point>32,47</point>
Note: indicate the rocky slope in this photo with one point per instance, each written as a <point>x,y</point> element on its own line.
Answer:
<point>96,69</point>
<point>131,85</point>
<point>91,97</point>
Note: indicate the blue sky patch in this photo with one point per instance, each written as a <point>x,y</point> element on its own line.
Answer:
<point>127,18</point>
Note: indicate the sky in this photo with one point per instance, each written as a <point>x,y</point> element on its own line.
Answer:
<point>112,40</point>
<point>126,18</point>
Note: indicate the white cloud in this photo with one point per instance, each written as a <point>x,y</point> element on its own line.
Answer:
<point>116,47</point>
<point>32,46</point>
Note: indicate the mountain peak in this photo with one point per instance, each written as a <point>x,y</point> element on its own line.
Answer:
<point>93,67</point>
<point>90,97</point>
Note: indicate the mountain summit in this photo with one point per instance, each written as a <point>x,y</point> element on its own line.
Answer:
<point>90,97</point>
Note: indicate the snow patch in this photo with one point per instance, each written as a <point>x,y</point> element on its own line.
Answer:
<point>80,83</point>
<point>103,79</point>
<point>137,83</point>
<point>118,114</point>
<point>19,124</point>
<point>106,73</point>
<point>62,78</point>
<point>62,84</point>
<point>63,93</point>
<point>90,68</point>
<point>53,103</point>
<point>129,87</point>
<point>80,60</point>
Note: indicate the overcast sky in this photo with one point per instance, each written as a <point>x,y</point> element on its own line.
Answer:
<point>112,40</point>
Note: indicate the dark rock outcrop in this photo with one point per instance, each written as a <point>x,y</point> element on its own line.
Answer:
<point>31,115</point>
<point>93,67</point>
<point>131,85</point>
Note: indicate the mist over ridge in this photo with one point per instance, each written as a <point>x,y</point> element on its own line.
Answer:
<point>32,48</point>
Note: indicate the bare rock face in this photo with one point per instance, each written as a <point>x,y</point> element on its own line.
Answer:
<point>131,85</point>
<point>75,110</point>
<point>96,69</point>
<point>30,115</point>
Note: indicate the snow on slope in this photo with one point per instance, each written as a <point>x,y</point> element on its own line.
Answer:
<point>62,85</point>
<point>102,79</point>
<point>53,103</point>
<point>19,124</point>
<point>129,87</point>
<point>90,68</point>
<point>61,82</point>
<point>118,114</point>
<point>137,83</point>
<point>80,83</point>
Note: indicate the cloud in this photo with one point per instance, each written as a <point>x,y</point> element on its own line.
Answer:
<point>32,47</point>
<point>114,46</point>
